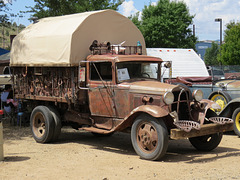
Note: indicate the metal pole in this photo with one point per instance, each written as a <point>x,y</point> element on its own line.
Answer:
<point>220,32</point>
<point>220,20</point>
<point>194,30</point>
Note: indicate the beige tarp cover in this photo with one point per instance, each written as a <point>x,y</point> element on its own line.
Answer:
<point>65,40</point>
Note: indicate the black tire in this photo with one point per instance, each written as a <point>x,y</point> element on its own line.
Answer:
<point>221,98</point>
<point>42,124</point>
<point>58,123</point>
<point>236,119</point>
<point>206,143</point>
<point>149,137</point>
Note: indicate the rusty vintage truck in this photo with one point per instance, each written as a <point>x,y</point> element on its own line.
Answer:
<point>115,88</point>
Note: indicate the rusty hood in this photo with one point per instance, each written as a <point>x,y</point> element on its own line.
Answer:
<point>149,87</point>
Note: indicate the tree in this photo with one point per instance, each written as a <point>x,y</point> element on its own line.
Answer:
<point>166,24</point>
<point>230,50</point>
<point>4,7</point>
<point>211,54</point>
<point>46,8</point>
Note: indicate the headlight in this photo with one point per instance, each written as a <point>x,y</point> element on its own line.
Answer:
<point>168,97</point>
<point>197,95</point>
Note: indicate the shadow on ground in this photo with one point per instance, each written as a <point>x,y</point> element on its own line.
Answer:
<point>15,158</point>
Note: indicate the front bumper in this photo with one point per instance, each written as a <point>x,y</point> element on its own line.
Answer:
<point>206,129</point>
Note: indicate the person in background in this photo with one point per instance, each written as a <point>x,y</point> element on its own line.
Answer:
<point>7,99</point>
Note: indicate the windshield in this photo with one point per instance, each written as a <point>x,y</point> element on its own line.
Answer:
<point>135,70</point>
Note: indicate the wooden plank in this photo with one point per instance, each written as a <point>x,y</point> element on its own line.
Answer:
<point>206,129</point>
<point>42,98</point>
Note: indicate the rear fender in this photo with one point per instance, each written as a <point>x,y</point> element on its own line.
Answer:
<point>152,110</point>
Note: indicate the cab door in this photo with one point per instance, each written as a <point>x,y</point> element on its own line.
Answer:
<point>101,93</point>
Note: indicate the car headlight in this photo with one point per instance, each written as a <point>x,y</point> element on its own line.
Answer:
<point>168,98</point>
<point>197,95</point>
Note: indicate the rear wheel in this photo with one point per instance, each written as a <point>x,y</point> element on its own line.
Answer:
<point>236,119</point>
<point>149,137</point>
<point>206,143</point>
<point>42,124</point>
<point>57,123</point>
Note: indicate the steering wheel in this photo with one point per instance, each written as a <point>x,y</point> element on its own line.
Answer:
<point>144,74</point>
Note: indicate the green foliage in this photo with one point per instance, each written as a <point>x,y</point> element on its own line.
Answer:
<point>166,25</point>
<point>4,9</point>
<point>45,8</point>
<point>5,32</point>
<point>14,24</point>
<point>230,50</point>
<point>210,56</point>
<point>135,20</point>
<point>3,17</point>
<point>2,4</point>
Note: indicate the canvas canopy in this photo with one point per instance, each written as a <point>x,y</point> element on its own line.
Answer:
<point>65,40</point>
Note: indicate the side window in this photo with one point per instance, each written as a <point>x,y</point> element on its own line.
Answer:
<point>101,69</point>
<point>6,70</point>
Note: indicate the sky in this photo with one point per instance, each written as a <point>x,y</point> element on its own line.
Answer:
<point>205,11</point>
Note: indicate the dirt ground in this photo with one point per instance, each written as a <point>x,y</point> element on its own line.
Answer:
<point>80,155</point>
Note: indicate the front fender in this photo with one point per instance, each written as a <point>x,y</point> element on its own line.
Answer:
<point>230,107</point>
<point>153,110</point>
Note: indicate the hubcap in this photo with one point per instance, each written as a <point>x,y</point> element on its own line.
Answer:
<point>147,138</point>
<point>39,125</point>
<point>220,100</point>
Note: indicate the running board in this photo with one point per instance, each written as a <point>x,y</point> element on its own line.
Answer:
<point>96,130</point>
<point>206,129</point>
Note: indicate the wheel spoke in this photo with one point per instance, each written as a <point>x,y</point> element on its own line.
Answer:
<point>154,136</point>
<point>141,132</point>
<point>41,130</point>
<point>147,128</point>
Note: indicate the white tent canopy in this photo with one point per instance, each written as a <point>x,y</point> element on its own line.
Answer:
<point>185,62</point>
<point>65,40</point>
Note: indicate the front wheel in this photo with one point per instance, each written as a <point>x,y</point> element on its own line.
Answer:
<point>149,137</point>
<point>222,99</point>
<point>206,143</point>
<point>236,119</point>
